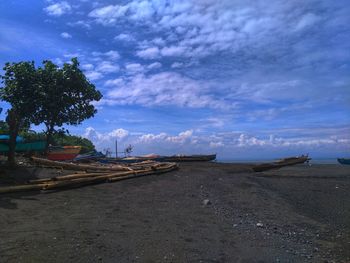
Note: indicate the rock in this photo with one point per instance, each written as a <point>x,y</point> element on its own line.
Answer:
<point>260,224</point>
<point>206,202</point>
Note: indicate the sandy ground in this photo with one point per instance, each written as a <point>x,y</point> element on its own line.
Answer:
<point>295,214</point>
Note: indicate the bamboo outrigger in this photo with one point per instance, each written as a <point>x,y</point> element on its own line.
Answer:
<point>101,174</point>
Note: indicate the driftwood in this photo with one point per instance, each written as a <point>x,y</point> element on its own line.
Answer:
<point>80,179</point>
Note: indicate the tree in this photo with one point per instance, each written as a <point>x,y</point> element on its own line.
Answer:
<point>65,97</point>
<point>19,90</point>
<point>70,140</point>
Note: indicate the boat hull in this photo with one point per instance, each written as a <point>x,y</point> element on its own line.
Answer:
<point>344,161</point>
<point>281,163</point>
<point>63,153</point>
<point>190,158</point>
<point>174,158</point>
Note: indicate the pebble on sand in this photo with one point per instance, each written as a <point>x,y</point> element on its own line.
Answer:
<point>206,202</point>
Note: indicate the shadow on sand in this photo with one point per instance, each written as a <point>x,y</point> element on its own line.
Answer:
<point>13,176</point>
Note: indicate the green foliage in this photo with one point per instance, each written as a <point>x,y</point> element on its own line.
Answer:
<point>20,91</point>
<point>72,140</point>
<point>32,136</point>
<point>50,95</point>
<point>20,86</point>
<point>65,95</point>
<point>4,127</point>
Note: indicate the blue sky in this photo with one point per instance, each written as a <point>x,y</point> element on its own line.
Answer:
<point>244,79</point>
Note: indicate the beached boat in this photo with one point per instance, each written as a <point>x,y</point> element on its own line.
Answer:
<point>344,160</point>
<point>89,157</point>
<point>281,163</point>
<point>63,153</point>
<point>190,158</point>
<point>159,158</point>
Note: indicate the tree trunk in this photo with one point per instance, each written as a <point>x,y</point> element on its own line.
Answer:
<point>13,122</point>
<point>49,132</point>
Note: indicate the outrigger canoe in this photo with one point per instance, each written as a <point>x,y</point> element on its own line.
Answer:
<point>158,158</point>
<point>281,163</point>
<point>190,158</point>
<point>63,153</point>
<point>344,160</point>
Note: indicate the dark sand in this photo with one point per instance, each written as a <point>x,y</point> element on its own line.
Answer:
<point>302,212</point>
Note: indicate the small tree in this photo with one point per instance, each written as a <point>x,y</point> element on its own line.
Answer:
<point>65,96</point>
<point>128,150</point>
<point>19,90</point>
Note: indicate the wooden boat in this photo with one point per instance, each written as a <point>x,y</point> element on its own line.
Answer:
<point>344,160</point>
<point>89,157</point>
<point>281,163</point>
<point>63,153</point>
<point>190,158</point>
<point>158,158</point>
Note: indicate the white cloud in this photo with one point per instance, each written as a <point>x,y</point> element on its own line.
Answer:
<point>173,51</point>
<point>107,67</point>
<point>80,23</point>
<point>87,66</point>
<point>114,82</point>
<point>154,65</point>
<point>194,28</point>
<point>118,134</point>
<point>149,53</point>
<point>306,21</point>
<point>58,9</point>
<point>66,35</point>
<point>112,54</point>
<point>93,75</point>
<point>166,88</point>
<point>108,15</point>
<point>177,65</point>
<point>222,143</point>
<point>133,68</point>
<point>216,144</point>
<point>124,37</point>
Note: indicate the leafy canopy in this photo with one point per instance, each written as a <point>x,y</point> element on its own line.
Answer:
<point>65,95</point>
<point>19,90</point>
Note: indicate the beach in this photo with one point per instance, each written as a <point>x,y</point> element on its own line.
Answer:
<point>202,212</point>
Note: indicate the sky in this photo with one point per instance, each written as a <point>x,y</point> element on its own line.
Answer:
<point>241,78</point>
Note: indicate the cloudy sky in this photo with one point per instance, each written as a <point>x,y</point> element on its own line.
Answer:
<point>242,78</point>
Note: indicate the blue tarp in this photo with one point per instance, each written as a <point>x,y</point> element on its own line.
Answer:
<point>6,137</point>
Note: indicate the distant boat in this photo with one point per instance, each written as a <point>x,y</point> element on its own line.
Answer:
<point>344,160</point>
<point>63,153</point>
<point>190,158</point>
<point>158,158</point>
<point>281,163</point>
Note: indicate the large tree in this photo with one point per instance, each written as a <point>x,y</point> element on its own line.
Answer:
<point>65,96</point>
<point>20,85</point>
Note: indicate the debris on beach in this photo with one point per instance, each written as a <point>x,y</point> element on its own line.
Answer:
<point>206,202</point>
<point>259,224</point>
